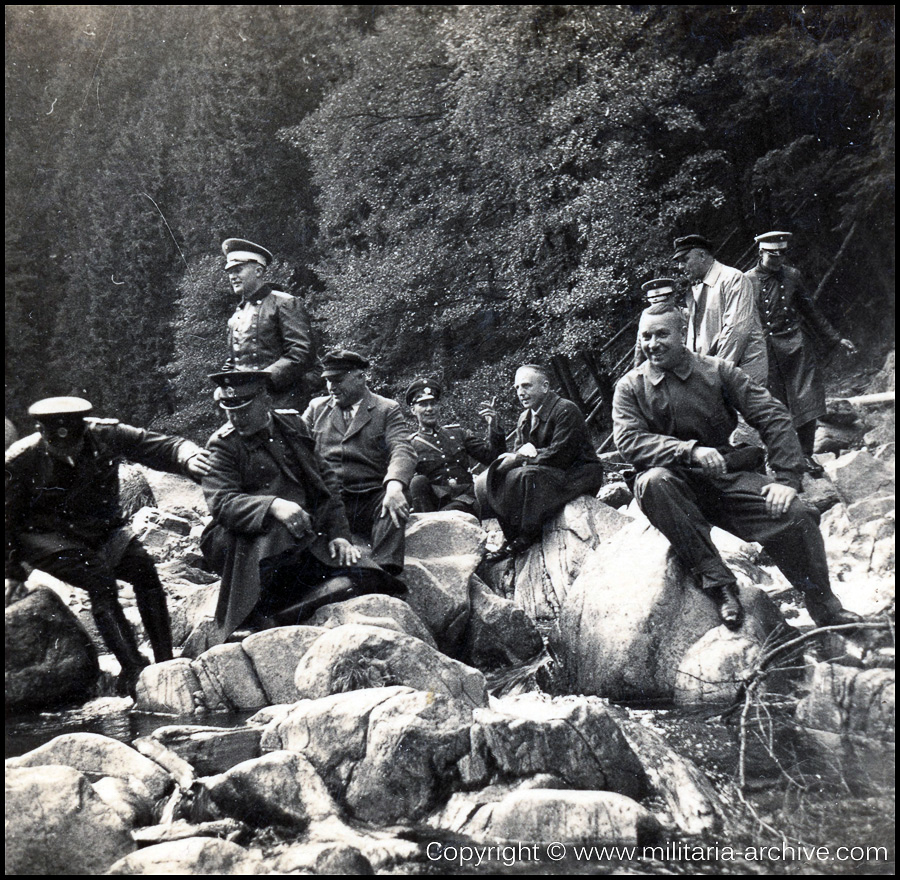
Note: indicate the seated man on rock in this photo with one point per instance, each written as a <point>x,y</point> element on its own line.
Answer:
<point>443,480</point>
<point>279,534</point>
<point>365,440</point>
<point>63,516</point>
<point>553,464</point>
<point>672,419</point>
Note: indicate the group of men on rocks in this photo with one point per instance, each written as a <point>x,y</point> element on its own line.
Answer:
<point>288,488</point>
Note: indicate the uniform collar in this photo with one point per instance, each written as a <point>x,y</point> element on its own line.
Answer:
<point>682,369</point>
<point>259,296</point>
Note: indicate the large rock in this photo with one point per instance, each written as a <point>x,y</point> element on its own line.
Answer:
<point>354,656</point>
<point>280,788</point>
<point>857,475</point>
<point>537,816</point>
<point>170,688</point>
<point>374,610</point>
<point>387,753</point>
<point>849,716</point>
<point>275,654</point>
<point>50,659</point>
<point>57,824</point>
<point>547,569</point>
<point>716,668</point>
<point>197,855</point>
<point>633,613</point>
<point>97,756</point>
<point>228,679</point>
<point>573,740</point>
<point>442,552</point>
<point>188,606</point>
<point>499,633</point>
<point>210,750</point>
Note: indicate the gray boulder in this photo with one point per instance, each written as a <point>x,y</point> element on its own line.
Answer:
<point>275,654</point>
<point>280,788</point>
<point>574,741</point>
<point>374,610</point>
<point>210,750</point>
<point>97,756</point>
<point>170,688</point>
<point>50,659</point>
<point>387,753</point>
<point>197,855</point>
<point>715,669</point>
<point>228,679</point>
<point>57,824</point>
<point>548,568</point>
<point>633,613</point>
<point>857,475</point>
<point>354,656</point>
<point>498,633</point>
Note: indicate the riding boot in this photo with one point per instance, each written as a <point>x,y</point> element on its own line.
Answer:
<point>155,616</point>
<point>119,638</point>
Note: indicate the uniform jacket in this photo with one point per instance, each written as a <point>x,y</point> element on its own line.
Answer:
<point>722,309</point>
<point>660,416</point>
<point>271,331</point>
<point>444,455</point>
<point>246,476</point>
<point>785,306</point>
<point>376,447</point>
<point>560,435</point>
<point>788,313</point>
<point>78,506</point>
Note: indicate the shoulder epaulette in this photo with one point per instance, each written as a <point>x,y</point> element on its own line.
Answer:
<point>288,412</point>
<point>453,425</point>
<point>283,293</point>
<point>224,431</point>
<point>91,420</point>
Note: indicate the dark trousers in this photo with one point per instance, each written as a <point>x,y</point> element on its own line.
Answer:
<point>807,435</point>
<point>524,498</point>
<point>428,498</point>
<point>684,504</point>
<point>388,541</point>
<point>87,568</point>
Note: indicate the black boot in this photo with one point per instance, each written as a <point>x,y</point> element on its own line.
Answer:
<point>731,612</point>
<point>119,638</point>
<point>155,615</point>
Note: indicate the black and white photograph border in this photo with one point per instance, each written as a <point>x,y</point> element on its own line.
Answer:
<point>462,215</point>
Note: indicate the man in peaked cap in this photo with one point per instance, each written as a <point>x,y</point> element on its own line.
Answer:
<point>270,329</point>
<point>63,516</point>
<point>722,318</point>
<point>364,438</point>
<point>657,290</point>
<point>279,534</point>
<point>443,480</point>
<point>788,314</point>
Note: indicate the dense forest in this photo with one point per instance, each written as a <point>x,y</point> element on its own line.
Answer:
<point>453,189</point>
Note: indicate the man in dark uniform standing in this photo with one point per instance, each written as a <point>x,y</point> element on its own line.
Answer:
<point>63,517</point>
<point>279,534</point>
<point>672,417</point>
<point>443,480</point>
<point>788,312</point>
<point>270,329</point>
<point>553,464</point>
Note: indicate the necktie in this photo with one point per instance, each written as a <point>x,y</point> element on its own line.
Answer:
<point>699,309</point>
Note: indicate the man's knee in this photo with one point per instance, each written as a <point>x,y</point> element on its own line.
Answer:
<point>654,481</point>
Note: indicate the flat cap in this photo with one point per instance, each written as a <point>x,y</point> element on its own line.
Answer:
<point>688,243</point>
<point>239,250</point>
<point>60,408</point>
<point>339,361</point>
<point>774,241</point>
<point>658,289</point>
<point>238,387</point>
<point>422,389</point>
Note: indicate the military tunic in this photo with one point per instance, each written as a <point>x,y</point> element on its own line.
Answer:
<point>271,331</point>
<point>443,479</point>
<point>787,312</point>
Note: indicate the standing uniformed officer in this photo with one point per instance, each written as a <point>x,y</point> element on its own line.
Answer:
<point>788,312</point>
<point>443,480</point>
<point>63,517</point>
<point>270,329</point>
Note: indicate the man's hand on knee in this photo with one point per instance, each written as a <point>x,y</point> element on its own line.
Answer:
<point>710,460</point>
<point>343,552</point>
<point>778,499</point>
<point>292,516</point>
<point>395,504</point>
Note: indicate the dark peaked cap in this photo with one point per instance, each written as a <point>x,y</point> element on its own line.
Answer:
<point>238,387</point>
<point>688,243</point>
<point>423,388</point>
<point>339,361</point>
